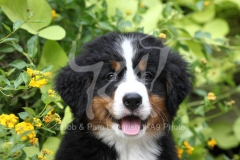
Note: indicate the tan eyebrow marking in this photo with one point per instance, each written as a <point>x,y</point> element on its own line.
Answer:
<point>115,65</point>
<point>142,65</point>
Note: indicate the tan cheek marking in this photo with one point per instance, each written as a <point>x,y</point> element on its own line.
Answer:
<point>115,65</point>
<point>159,116</point>
<point>142,65</point>
<point>102,108</point>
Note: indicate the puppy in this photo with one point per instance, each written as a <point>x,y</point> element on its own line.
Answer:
<point>124,91</point>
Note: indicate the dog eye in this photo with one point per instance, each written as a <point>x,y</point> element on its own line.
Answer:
<point>111,77</point>
<point>148,76</point>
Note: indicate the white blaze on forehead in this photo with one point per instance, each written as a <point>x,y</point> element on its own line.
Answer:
<point>128,54</point>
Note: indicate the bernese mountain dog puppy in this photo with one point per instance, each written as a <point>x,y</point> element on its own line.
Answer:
<point>124,91</point>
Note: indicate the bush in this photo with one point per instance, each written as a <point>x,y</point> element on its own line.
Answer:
<point>39,37</point>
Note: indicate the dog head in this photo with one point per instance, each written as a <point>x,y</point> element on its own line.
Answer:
<point>130,82</point>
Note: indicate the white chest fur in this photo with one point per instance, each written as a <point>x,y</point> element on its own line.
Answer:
<point>144,148</point>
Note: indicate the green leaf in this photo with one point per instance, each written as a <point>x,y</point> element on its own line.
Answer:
<point>31,151</point>
<point>35,157</point>
<point>2,56</point>
<point>53,33</point>
<point>7,27</point>
<point>25,77</point>
<point>52,54</point>
<point>90,13</point>
<point>5,80</point>
<point>66,120</point>
<point>47,68</point>
<point>19,64</point>
<point>137,18</point>
<point>236,128</point>
<point>29,110</point>
<point>23,115</point>
<point>18,81</point>
<point>46,111</point>
<point>199,110</point>
<point>59,105</point>
<point>218,28</point>
<point>32,46</point>
<point>123,25</point>
<point>17,47</point>
<point>204,15</point>
<point>207,48</point>
<point>6,49</point>
<point>105,26</point>
<point>9,40</point>
<point>17,10</point>
<point>200,5</point>
<point>17,25</point>
<point>167,10</point>
<point>17,147</point>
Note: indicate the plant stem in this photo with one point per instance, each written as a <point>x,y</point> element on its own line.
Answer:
<point>29,59</point>
<point>8,95</point>
<point>214,116</point>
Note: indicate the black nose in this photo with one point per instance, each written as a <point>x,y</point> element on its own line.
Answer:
<point>132,101</point>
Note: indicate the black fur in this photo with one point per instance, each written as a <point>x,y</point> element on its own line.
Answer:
<point>173,84</point>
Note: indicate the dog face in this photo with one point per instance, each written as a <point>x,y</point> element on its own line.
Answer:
<point>133,85</point>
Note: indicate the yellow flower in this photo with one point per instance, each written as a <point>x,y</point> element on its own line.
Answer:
<point>41,158</point>
<point>37,122</point>
<point>48,118</point>
<point>128,12</point>
<point>54,14</point>
<point>33,141</point>
<point>23,127</point>
<point>203,61</point>
<point>51,93</point>
<point>162,35</point>
<point>188,147</point>
<point>50,112</point>
<point>57,118</point>
<point>32,72</point>
<point>38,83</point>
<point>38,78</point>
<point>47,152</point>
<point>211,96</point>
<point>179,152</point>
<point>230,103</point>
<point>8,121</point>
<point>206,3</point>
<point>24,138</point>
<point>211,143</point>
<point>31,135</point>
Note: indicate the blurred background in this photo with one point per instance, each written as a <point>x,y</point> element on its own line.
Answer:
<point>39,37</point>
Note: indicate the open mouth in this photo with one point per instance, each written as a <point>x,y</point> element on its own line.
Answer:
<point>131,125</point>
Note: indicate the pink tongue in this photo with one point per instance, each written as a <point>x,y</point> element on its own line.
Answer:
<point>131,125</point>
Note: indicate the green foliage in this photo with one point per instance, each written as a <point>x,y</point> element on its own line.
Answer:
<point>34,44</point>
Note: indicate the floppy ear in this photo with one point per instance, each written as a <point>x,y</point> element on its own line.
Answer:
<point>72,87</point>
<point>178,82</point>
